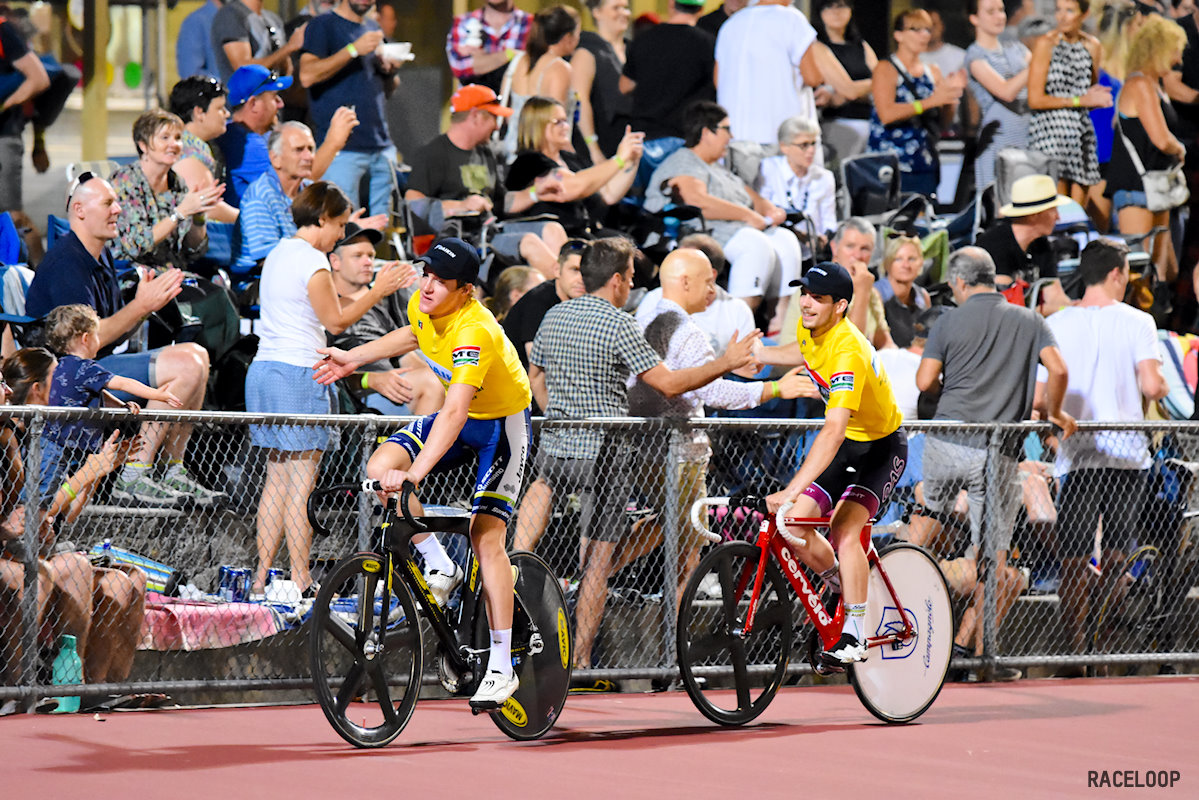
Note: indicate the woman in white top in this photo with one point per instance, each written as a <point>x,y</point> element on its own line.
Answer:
<point>794,183</point>
<point>299,304</point>
<point>543,69</point>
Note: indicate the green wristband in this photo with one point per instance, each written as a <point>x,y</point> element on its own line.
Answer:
<point>366,383</point>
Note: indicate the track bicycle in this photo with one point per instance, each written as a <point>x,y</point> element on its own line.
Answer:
<point>366,645</point>
<point>737,618</point>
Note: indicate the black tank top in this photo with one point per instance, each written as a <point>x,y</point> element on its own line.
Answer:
<point>1121,173</point>
<point>852,56</point>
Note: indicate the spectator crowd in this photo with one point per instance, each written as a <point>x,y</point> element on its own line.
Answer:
<point>644,204</point>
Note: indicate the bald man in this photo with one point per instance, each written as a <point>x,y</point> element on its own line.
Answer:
<point>79,269</point>
<point>688,287</point>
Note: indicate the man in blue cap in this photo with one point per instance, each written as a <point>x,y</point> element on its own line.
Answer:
<point>486,412</point>
<point>855,460</point>
<point>254,100</point>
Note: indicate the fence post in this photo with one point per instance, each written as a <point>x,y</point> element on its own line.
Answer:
<point>364,501</point>
<point>32,503</point>
<point>987,560</point>
<point>670,542</point>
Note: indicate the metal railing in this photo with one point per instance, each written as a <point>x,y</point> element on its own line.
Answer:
<point>193,641</point>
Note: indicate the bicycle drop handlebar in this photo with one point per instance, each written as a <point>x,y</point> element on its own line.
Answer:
<point>736,501</point>
<point>365,485</point>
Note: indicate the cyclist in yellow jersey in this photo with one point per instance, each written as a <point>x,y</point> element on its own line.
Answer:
<point>856,459</point>
<point>486,412</point>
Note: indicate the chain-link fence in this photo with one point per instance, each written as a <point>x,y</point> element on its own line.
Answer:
<point>1060,556</point>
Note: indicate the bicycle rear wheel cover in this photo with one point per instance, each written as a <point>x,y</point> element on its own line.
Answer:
<point>544,675</point>
<point>367,676</point>
<point>897,683</point>
<point>732,678</point>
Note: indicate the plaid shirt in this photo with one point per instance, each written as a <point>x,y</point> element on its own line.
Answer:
<point>513,35</point>
<point>587,348</point>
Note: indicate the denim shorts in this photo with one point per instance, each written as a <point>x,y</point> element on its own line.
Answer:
<point>135,366</point>
<point>1124,197</point>
<point>275,387</point>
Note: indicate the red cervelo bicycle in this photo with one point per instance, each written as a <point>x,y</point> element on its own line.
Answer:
<point>737,622</point>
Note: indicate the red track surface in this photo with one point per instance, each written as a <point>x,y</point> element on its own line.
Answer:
<point>1028,739</point>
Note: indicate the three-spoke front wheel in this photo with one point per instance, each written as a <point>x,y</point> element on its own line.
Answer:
<point>714,653</point>
<point>365,651</point>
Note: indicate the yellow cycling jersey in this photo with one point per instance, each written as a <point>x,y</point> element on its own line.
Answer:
<point>844,368</point>
<point>469,346</point>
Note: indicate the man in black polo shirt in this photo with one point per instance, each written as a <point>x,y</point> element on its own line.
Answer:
<point>1019,243</point>
<point>79,269</point>
<point>525,317</point>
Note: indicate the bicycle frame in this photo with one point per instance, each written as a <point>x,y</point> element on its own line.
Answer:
<point>770,541</point>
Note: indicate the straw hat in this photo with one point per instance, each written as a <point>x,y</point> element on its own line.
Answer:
<point>1031,194</point>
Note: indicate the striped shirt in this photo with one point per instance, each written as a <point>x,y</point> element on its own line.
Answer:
<point>587,348</point>
<point>265,220</point>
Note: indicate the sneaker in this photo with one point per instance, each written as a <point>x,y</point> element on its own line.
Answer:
<point>442,585</point>
<point>847,650</point>
<point>495,689</point>
<point>1003,675</point>
<point>182,482</point>
<point>145,492</point>
<point>959,674</point>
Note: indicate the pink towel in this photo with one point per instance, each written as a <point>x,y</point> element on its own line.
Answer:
<point>174,624</point>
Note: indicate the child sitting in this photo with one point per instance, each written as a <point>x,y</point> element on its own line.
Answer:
<point>79,381</point>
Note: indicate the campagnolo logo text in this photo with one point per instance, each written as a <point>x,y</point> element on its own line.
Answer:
<point>928,632</point>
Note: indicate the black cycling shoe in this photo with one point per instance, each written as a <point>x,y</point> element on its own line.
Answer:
<point>847,650</point>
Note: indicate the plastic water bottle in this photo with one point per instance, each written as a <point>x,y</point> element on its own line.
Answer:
<point>68,670</point>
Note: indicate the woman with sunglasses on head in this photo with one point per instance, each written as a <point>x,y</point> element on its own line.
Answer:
<point>846,120</point>
<point>908,98</point>
<point>1063,87</point>
<point>201,102</point>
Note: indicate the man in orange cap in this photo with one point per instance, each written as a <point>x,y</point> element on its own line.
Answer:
<point>456,175</point>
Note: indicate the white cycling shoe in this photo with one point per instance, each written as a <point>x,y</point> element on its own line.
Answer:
<point>442,585</point>
<point>495,689</point>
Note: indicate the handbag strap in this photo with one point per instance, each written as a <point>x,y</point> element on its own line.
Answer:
<point>1133,155</point>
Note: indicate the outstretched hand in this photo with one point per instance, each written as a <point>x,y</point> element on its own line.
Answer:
<point>335,365</point>
<point>740,351</point>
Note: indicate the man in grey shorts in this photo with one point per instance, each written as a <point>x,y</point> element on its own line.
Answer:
<point>982,358</point>
<point>579,366</point>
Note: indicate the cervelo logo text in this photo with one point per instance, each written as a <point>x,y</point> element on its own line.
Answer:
<point>792,567</point>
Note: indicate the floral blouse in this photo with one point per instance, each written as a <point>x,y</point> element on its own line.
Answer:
<point>197,148</point>
<point>141,209</point>
<point>907,138</point>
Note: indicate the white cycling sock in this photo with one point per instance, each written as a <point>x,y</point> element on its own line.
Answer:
<point>855,618</point>
<point>500,657</point>
<point>435,555</point>
<point>832,576</point>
